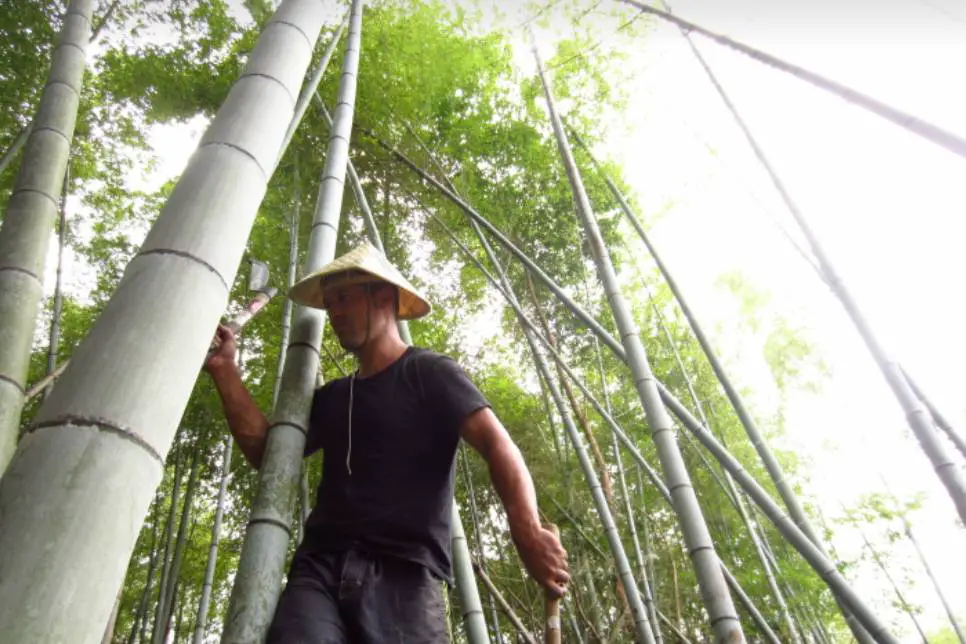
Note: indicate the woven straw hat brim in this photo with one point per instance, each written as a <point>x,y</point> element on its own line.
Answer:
<point>366,259</point>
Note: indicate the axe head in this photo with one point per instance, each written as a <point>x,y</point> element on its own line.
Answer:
<point>258,276</point>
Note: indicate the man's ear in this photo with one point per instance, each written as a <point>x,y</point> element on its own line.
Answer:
<point>386,297</point>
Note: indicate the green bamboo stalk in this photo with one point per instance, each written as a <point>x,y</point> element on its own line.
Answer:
<point>141,613</point>
<point>90,463</point>
<point>30,215</point>
<point>262,561</point>
<point>628,509</point>
<point>729,485</point>
<point>924,129</point>
<point>311,87</point>
<point>900,598</point>
<point>169,543</point>
<point>470,604</point>
<point>16,145</point>
<point>57,311</point>
<point>480,564</point>
<point>600,502</point>
<point>714,590</point>
<point>950,614</point>
<point>206,587</point>
<point>505,606</point>
<point>941,421</point>
<point>293,260</point>
<point>166,602</point>
<point>367,218</point>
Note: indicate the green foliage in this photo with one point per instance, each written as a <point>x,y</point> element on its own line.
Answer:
<point>428,81</point>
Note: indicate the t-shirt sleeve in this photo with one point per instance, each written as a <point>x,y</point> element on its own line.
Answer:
<point>313,440</point>
<point>449,390</point>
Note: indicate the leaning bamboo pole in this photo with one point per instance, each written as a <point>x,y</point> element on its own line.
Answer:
<point>206,587</point>
<point>728,486</point>
<point>480,563</point>
<point>649,599</point>
<point>941,421</point>
<point>505,607</point>
<point>950,613</point>
<point>293,260</point>
<point>625,574</point>
<point>30,215</point>
<point>84,474</point>
<point>260,567</point>
<point>169,541</point>
<point>629,445</point>
<point>929,131</point>
<point>58,307</point>
<point>166,601</point>
<point>714,589</point>
<point>142,608</point>
<point>900,597</point>
<point>772,466</point>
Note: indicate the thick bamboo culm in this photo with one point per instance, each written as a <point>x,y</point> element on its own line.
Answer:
<point>261,565</point>
<point>30,214</point>
<point>120,400</point>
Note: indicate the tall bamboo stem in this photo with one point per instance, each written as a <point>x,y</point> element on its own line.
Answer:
<point>950,613</point>
<point>30,215</point>
<point>86,471</point>
<point>260,568</point>
<point>206,587</point>
<point>900,598</point>
<point>642,628</point>
<point>293,261</point>
<point>714,590</point>
<point>729,485</point>
<point>480,564</point>
<point>166,601</point>
<point>57,311</point>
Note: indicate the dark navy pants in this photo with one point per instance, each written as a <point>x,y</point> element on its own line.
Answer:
<point>355,597</point>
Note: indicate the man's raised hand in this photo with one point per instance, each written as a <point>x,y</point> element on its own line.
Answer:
<point>222,350</point>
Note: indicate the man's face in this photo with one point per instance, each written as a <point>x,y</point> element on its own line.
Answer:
<point>348,313</point>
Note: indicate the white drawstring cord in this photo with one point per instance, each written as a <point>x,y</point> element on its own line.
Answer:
<point>348,454</point>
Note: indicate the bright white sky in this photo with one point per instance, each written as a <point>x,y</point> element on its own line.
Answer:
<point>888,206</point>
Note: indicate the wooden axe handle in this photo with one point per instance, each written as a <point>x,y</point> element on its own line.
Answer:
<point>552,623</point>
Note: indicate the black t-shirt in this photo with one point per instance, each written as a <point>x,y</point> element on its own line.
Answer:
<point>398,498</point>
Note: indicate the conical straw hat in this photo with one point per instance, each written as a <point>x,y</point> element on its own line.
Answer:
<point>362,264</point>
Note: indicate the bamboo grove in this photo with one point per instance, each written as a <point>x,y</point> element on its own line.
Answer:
<point>126,514</point>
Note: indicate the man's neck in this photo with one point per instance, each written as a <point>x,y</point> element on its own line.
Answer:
<point>379,353</point>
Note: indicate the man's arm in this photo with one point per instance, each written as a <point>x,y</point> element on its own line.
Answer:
<point>245,420</point>
<point>540,549</point>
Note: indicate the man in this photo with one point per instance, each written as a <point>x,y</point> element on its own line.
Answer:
<point>378,541</point>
